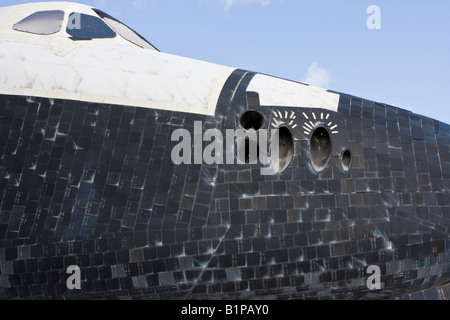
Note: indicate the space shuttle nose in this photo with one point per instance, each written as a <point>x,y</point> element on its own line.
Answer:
<point>126,172</point>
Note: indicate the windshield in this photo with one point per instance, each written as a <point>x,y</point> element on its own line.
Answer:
<point>41,22</point>
<point>124,31</point>
<point>81,26</point>
<point>86,27</point>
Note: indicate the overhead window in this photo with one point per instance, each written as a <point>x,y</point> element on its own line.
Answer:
<point>86,27</point>
<point>124,31</point>
<point>41,22</point>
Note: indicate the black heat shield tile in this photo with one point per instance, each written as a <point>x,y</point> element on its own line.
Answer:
<point>138,222</point>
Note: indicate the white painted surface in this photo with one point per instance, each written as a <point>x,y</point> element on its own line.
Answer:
<point>279,92</point>
<point>115,71</point>
<point>111,71</point>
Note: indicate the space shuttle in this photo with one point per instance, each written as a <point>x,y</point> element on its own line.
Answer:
<point>352,200</point>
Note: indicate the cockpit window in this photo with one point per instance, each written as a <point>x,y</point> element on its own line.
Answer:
<point>41,22</point>
<point>124,31</point>
<point>86,27</point>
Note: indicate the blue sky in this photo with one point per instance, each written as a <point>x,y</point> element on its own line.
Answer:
<point>325,42</point>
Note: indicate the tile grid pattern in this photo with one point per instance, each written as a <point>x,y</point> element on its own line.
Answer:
<point>94,185</point>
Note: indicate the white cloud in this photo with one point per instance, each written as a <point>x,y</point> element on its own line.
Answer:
<point>229,3</point>
<point>317,76</point>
